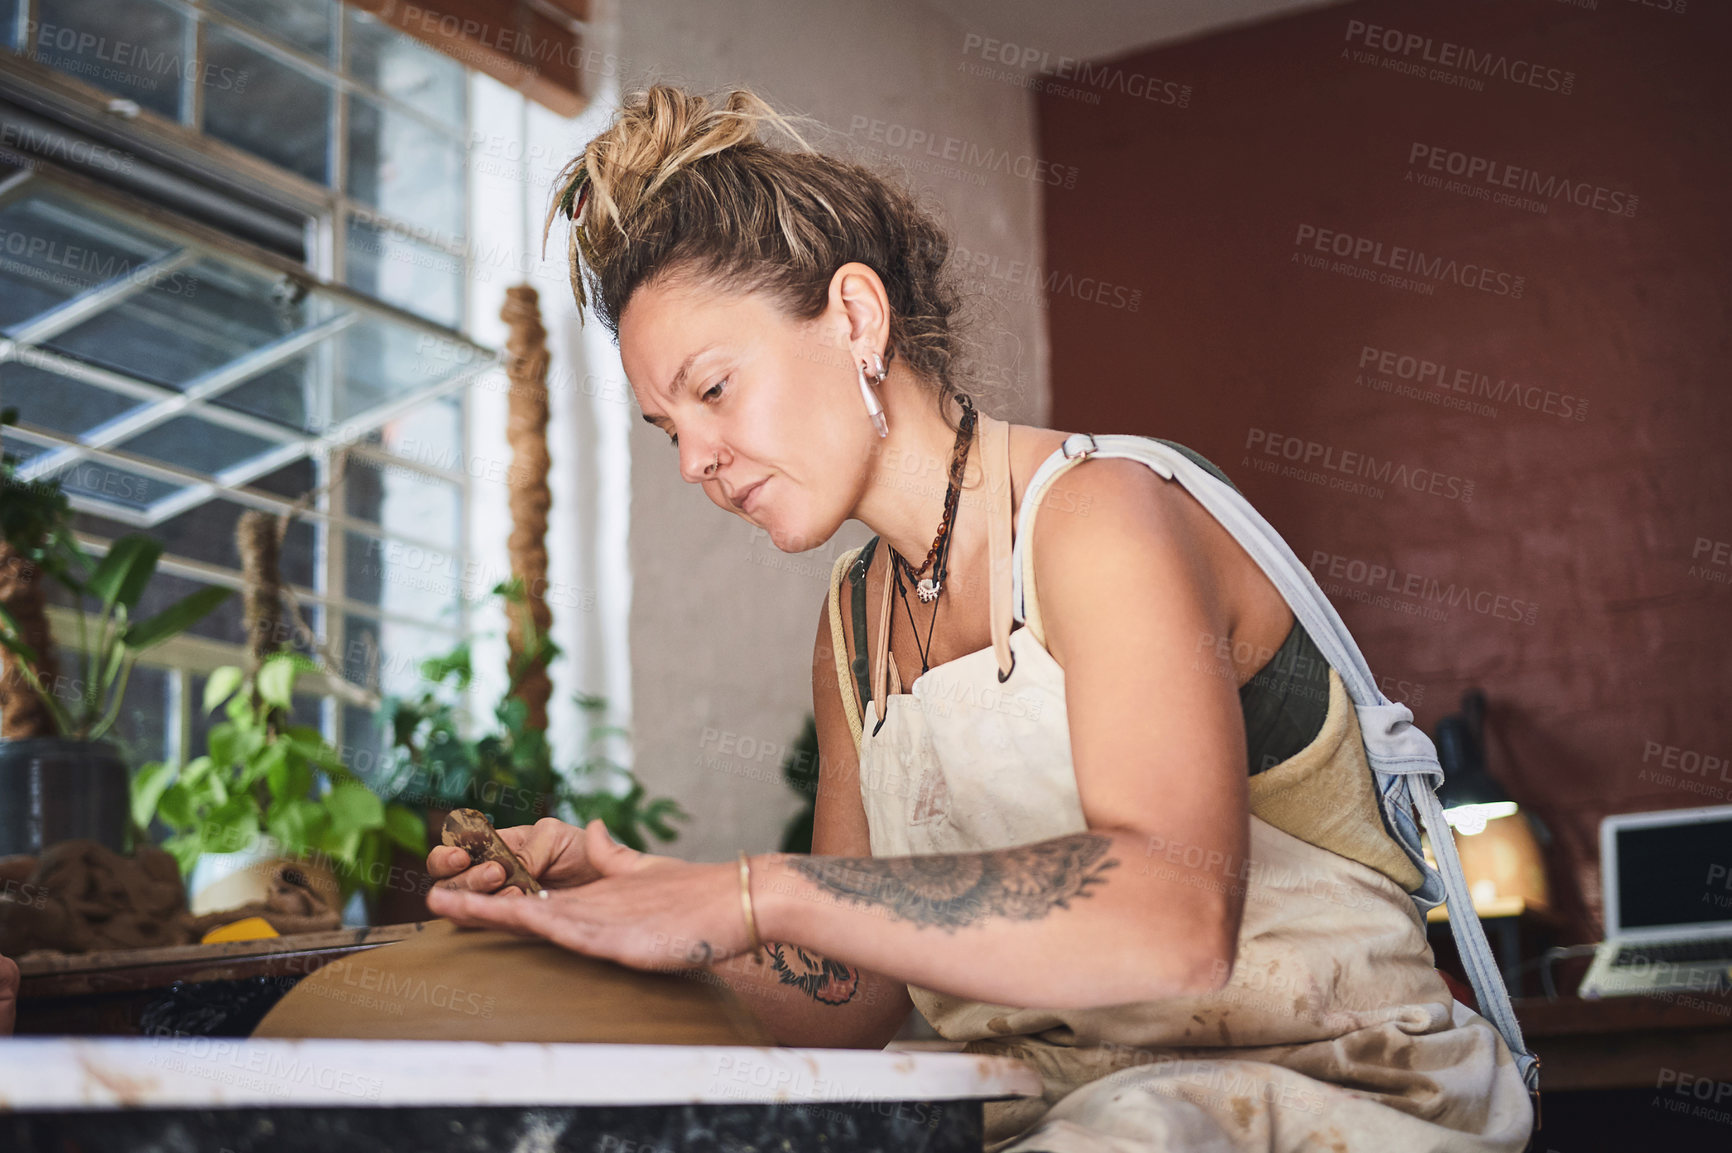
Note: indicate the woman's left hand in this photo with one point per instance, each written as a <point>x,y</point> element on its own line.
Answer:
<point>9,981</point>
<point>646,911</point>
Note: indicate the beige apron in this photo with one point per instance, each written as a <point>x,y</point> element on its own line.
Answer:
<point>1335,1031</point>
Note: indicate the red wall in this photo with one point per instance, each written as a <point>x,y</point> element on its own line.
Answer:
<point>1589,526</point>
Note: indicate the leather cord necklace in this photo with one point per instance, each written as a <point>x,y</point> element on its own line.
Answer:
<point>938,556</point>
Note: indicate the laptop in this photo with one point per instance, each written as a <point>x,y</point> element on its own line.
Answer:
<point>1668,887</point>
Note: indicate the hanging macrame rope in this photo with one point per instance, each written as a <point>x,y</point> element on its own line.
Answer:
<point>530,497</point>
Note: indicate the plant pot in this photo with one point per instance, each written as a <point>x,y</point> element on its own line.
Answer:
<point>229,880</point>
<point>53,789</point>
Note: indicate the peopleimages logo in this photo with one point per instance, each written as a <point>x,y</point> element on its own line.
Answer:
<point>1100,77</point>
<point>955,150</point>
<point>1328,567</point>
<point>1447,55</point>
<point>1400,262</point>
<point>1487,179</point>
<point>1436,377</point>
<point>1044,286</point>
<point>1305,456</point>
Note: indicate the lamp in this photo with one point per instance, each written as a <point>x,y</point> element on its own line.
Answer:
<point>1470,797</point>
<point>1500,854</point>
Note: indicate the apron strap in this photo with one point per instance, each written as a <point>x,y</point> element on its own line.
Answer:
<point>882,646</point>
<point>995,465</point>
<point>845,681</point>
<point>1401,756</point>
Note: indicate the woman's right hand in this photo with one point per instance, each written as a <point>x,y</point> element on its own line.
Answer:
<point>551,850</point>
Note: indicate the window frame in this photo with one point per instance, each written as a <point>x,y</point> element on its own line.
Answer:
<point>326,212</point>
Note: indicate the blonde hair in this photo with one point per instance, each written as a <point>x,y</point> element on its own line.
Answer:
<point>679,187</point>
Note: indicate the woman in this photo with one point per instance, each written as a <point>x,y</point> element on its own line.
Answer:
<point>1135,843</point>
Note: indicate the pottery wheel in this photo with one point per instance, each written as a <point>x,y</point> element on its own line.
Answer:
<point>450,984</point>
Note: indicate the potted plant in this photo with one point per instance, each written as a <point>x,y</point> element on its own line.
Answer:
<point>274,788</point>
<point>58,778</point>
<point>508,772</point>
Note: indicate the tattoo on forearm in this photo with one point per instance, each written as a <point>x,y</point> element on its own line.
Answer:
<point>822,979</point>
<point>955,890</point>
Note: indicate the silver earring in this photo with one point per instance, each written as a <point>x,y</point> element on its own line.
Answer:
<point>873,408</point>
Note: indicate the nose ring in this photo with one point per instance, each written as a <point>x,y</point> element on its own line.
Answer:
<point>713,465</point>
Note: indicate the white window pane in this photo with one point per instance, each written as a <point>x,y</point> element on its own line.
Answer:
<point>132,48</point>
<point>416,277</point>
<point>387,60</point>
<point>189,324</point>
<point>271,109</point>
<point>428,434</point>
<point>113,484</point>
<point>403,579</point>
<point>403,501</point>
<point>392,651</point>
<point>188,442</point>
<point>52,250</point>
<point>287,395</point>
<point>405,169</point>
<point>58,403</point>
<point>379,362</point>
<point>303,24</point>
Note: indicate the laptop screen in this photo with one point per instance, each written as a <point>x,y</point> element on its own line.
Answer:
<point>1675,874</point>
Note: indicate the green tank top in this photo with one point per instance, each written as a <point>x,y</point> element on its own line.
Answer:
<point>1284,703</point>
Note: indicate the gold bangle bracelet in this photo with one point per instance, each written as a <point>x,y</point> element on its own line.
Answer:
<point>757,945</point>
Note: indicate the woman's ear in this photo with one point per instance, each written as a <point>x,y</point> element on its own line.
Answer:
<point>858,298</point>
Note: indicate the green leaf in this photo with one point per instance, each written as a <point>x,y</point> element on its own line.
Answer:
<point>311,744</point>
<point>276,682</point>
<point>116,656</point>
<point>259,768</point>
<point>224,743</point>
<point>196,770</point>
<point>175,806</point>
<point>231,825</point>
<point>148,785</point>
<point>353,807</point>
<point>123,573</point>
<point>408,828</point>
<point>456,663</point>
<point>221,686</point>
<point>298,824</point>
<point>176,618</point>
<point>291,780</point>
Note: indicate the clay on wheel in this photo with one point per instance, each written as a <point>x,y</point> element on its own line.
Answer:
<point>450,984</point>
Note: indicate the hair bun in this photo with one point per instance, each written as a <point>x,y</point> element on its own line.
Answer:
<point>655,135</point>
<point>682,185</point>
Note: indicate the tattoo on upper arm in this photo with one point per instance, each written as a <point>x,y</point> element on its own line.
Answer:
<point>824,980</point>
<point>955,890</point>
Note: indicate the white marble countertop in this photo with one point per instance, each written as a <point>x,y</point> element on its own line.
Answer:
<point>75,1073</point>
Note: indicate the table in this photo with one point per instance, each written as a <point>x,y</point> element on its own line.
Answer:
<point>1629,1042</point>
<point>108,993</point>
<point>329,1096</point>
<point>1632,1073</point>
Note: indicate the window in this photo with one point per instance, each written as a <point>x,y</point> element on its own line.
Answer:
<point>173,376</point>
<point>367,117</point>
